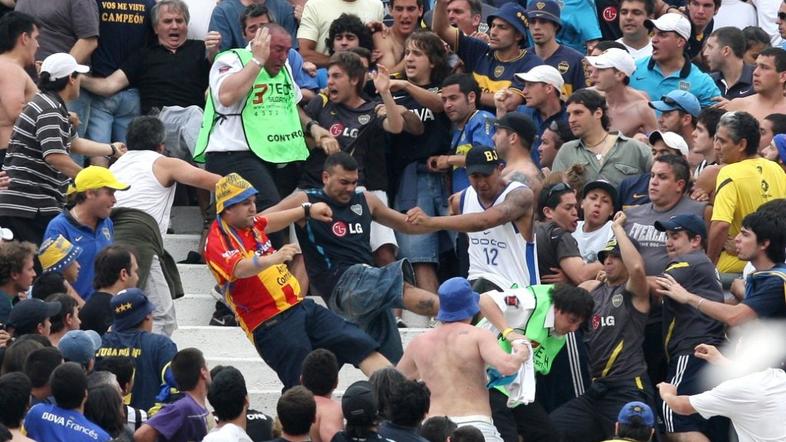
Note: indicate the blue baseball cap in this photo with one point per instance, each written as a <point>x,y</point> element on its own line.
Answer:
<point>634,409</point>
<point>689,223</point>
<point>514,14</point>
<point>457,300</point>
<point>678,100</point>
<point>79,346</point>
<point>545,9</point>
<point>129,307</point>
<point>780,144</point>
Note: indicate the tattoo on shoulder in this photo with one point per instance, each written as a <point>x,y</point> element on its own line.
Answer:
<point>520,177</point>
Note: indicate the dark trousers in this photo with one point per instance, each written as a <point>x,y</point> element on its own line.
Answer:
<point>27,229</point>
<point>264,176</point>
<point>529,421</point>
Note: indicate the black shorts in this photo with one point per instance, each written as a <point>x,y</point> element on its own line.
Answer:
<point>684,372</point>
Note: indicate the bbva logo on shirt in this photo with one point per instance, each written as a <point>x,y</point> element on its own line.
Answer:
<point>68,423</point>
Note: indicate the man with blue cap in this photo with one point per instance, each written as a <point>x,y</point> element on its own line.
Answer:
<point>677,112</point>
<point>507,38</point>
<point>636,422</point>
<point>685,327</point>
<point>452,358</point>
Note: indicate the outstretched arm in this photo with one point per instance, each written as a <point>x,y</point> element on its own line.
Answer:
<point>731,315</point>
<point>637,277</point>
<point>106,86</point>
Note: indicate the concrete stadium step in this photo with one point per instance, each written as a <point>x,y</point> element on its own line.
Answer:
<point>196,278</point>
<point>197,309</point>
<point>178,245</point>
<point>186,219</point>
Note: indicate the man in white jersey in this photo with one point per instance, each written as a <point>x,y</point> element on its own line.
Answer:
<point>155,177</point>
<point>498,217</point>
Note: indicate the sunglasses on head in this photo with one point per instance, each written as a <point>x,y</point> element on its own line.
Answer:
<point>673,103</point>
<point>557,189</point>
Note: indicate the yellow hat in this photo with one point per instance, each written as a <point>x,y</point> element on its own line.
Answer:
<point>95,177</point>
<point>231,190</point>
<point>57,253</point>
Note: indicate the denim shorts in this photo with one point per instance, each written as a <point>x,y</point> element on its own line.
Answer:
<point>432,198</point>
<point>365,295</point>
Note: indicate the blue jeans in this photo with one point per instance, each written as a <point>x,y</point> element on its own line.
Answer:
<point>432,197</point>
<point>110,116</point>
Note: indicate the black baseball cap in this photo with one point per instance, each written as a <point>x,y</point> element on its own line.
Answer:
<point>28,313</point>
<point>359,405</point>
<point>689,223</point>
<point>482,159</point>
<point>603,185</point>
<point>519,124</point>
<point>612,248</point>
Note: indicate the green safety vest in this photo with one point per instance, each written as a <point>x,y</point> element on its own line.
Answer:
<point>270,120</point>
<point>545,347</point>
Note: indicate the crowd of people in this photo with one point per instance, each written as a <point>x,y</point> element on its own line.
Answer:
<point>584,201</point>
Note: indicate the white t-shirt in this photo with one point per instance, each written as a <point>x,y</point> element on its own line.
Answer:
<point>755,404</point>
<point>227,433</point>
<point>638,54</point>
<point>593,242</point>
<point>200,11</point>
<point>736,13</point>
<point>228,135</point>
<point>319,14</point>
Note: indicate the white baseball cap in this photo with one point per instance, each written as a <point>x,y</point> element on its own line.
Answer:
<point>671,139</point>
<point>62,65</point>
<point>543,74</point>
<point>616,58</point>
<point>6,234</point>
<point>671,22</point>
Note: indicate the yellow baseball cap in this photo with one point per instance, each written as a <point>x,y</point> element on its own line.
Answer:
<point>57,253</point>
<point>231,190</point>
<point>95,177</point>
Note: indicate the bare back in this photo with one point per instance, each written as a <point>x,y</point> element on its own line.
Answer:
<point>632,116</point>
<point>329,420</point>
<point>756,106</point>
<point>449,360</point>
<point>16,89</point>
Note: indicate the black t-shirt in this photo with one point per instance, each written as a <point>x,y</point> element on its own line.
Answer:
<point>331,248</point>
<point>97,313</point>
<point>259,426</point>
<point>609,18</point>
<point>359,132</point>
<point>696,41</point>
<point>435,139</point>
<point>165,78</point>
<point>554,244</point>
<point>342,436</point>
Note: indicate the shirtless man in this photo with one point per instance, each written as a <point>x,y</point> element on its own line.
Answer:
<point>513,141</point>
<point>320,376</point>
<point>769,78</point>
<point>18,45</point>
<point>628,109</point>
<point>406,15</point>
<point>451,359</point>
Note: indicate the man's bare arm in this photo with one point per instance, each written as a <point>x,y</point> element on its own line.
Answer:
<point>106,86</point>
<point>308,49</point>
<point>634,264</point>
<point>83,49</point>
<point>176,170</point>
<point>719,231</point>
<point>441,26</point>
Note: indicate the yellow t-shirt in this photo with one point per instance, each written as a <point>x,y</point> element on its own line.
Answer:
<point>740,189</point>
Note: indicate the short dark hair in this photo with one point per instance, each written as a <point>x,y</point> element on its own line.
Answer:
<point>343,159</point>
<point>467,433</point>
<point>593,101</point>
<point>437,428</point>
<point>48,283</point>
<point>146,132</point>
<point>67,305</point>
<point>69,385</point>
<point>635,430</point>
<point>709,118</point>
<point>550,196</point>
<point>16,354</point>
<point>779,55</point>
<point>742,125</point>
<point>253,10</point>
<point>649,5</point>
<point>717,3</point>
<point>755,34</point>
<point>227,394</point>
<point>571,299</point>
<point>12,25</point>
<point>679,167</point>
<point>778,123</point>
<point>104,407</point>
<point>46,84</point>
<point>385,381</point>
<point>352,65</point>
<point>12,258</point>
<point>296,410</point>
<point>122,367</point>
<point>349,23</point>
<point>187,367</point>
<point>320,372</point>
<point>466,84</point>
<point>14,398</point>
<point>109,262</point>
<point>731,37</point>
<point>433,47</point>
<point>605,45</point>
<point>419,2</point>
<point>409,403</point>
<point>768,227</point>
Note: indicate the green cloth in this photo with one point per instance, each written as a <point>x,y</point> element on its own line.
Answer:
<point>139,231</point>
<point>270,119</point>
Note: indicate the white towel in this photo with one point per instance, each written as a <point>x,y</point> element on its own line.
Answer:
<point>522,389</point>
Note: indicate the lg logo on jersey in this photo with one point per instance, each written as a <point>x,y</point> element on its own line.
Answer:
<point>341,228</point>
<point>338,130</point>
<point>602,321</point>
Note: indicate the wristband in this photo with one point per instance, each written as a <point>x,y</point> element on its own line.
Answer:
<point>306,210</point>
<point>114,151</point>
<point>310,124</point>
<point>506,332</point>
<point>698,305</point>
<point>255,260</point>
<point>259,63</point>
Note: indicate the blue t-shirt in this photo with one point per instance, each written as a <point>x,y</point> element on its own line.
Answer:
<point>579,24</point>
<point>51,423</point>
<point>226,20</point>
<point>151,353</point>
<point>634,191</point>
<point>764,292</point>
<point>570,63</point>
<point>91,241</point>
<point>479,129</point>
<point>648,78</point>
<point>124,28</point>
<point>301,77</point>
<point>181,421</point>
<point>540,126</point>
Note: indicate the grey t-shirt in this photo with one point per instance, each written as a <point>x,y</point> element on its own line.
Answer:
<point>684,327</point>
<point>616,335</point>
<point>63,23</point>
<point>554,244</point>
<point>640,226</point>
